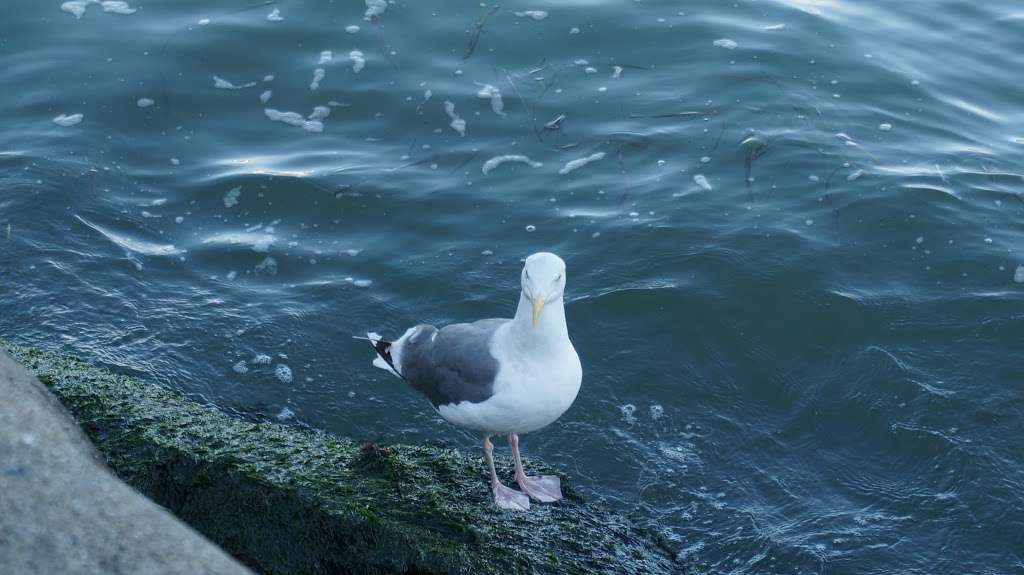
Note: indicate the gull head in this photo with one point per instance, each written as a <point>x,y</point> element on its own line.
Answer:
<point>543,281</point>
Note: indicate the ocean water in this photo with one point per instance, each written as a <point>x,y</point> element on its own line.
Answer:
<point>794,232</point>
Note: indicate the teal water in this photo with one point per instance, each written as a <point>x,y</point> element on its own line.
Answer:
<point>795,274</point>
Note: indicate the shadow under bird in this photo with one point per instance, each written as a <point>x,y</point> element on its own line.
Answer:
<point>498,376</point>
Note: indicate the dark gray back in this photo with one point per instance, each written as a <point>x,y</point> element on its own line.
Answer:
<point>455,366</point>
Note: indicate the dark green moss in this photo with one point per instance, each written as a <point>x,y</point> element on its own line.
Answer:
<point>291,501</point>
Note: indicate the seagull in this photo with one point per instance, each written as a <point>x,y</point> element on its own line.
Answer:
<point>498,376</point>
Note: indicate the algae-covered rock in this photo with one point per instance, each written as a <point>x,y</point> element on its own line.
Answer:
<point>287,500</point>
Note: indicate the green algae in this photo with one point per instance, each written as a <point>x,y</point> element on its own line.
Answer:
<point>293,501</point>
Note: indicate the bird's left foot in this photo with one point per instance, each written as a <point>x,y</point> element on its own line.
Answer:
<point>543,488</point>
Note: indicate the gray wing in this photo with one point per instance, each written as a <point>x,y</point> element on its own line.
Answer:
<point>453,364</point>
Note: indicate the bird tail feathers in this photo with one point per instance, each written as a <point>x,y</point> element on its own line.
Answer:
<point>384,359</point>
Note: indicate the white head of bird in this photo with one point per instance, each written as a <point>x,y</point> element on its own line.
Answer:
<point>543,282</point>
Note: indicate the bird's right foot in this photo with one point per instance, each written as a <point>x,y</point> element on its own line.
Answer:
<point>507,498</point>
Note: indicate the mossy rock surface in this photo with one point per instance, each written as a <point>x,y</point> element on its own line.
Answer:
<point>291,501</point>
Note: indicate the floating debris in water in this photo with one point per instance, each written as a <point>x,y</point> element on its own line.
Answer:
<point>358,60</point>
<point>231,197</point>
<point>855,175</point>
<point>353,29</point>
<point>533,14</point>
<point>175,162</point>
<point>275,15</point>
<point>701,181</point>
<point>457,123</point>
<point>531,228</point>
<point>499,160</point>
<point>775,27</point>
<point>267,266</point>
<point>203,22</point>
<point>362,283</point>
<point>265,97</point>
<point>223,84</point>
<point>628,412</point>
<point>144,102</point>
<point>375,8</point>
<point>241,367</point>
<point>574,30</point>
<point>283,373</point>
<point>885,127</point>
<point>578,163</point>
<point>67,120</point>
<point>1018,275</point>
<point>726,43</point>
<point>616,72</point>
<point>555,124</point>
<point>489,91</point>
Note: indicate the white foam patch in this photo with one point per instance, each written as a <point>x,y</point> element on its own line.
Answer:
<point>77,7</point>
<point>117,7</point>
<point>616,72</point>
<point>358,60</point>
<point>726,43</point>
<point>353,29</point>
<point>499,160</point>
<point>68,119</point>
<point>265,96</point>
<point>241,368</point>
<point>318,76</point>
<point>855,175</point>
<point>320,113</point>
<point>223,84</point>
<point>231,197</point>
<point>375,9</point>
<point>283,373</point>
<point>325,57</point>
<point>489,91</point>
<point>701,181</point>
<point>275,15</point>
<point>133,244</point>
<point>312,124</point>
<point>257,242</point>
<point>578,163</point>
<point>144,102</point>
<point>775,27</point>
<point>262,359</point>
<point>457,123</point>
<point>1018,275</point>
<point>533,14</point>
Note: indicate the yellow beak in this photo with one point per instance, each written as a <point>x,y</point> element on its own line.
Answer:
<point>538,304</point>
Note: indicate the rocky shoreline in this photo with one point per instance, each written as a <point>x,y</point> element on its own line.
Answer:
<point>281,499</point>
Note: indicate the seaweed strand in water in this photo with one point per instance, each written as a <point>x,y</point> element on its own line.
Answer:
<point>475,35</point>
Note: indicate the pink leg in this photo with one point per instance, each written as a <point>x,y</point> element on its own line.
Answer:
<point>543,488</point>
<point>504,497</point>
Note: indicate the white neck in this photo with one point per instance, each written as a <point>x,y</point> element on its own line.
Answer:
<point>549,333</point>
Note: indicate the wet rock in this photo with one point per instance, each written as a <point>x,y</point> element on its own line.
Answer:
<point>62,511</point>
<point>288,500</point>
